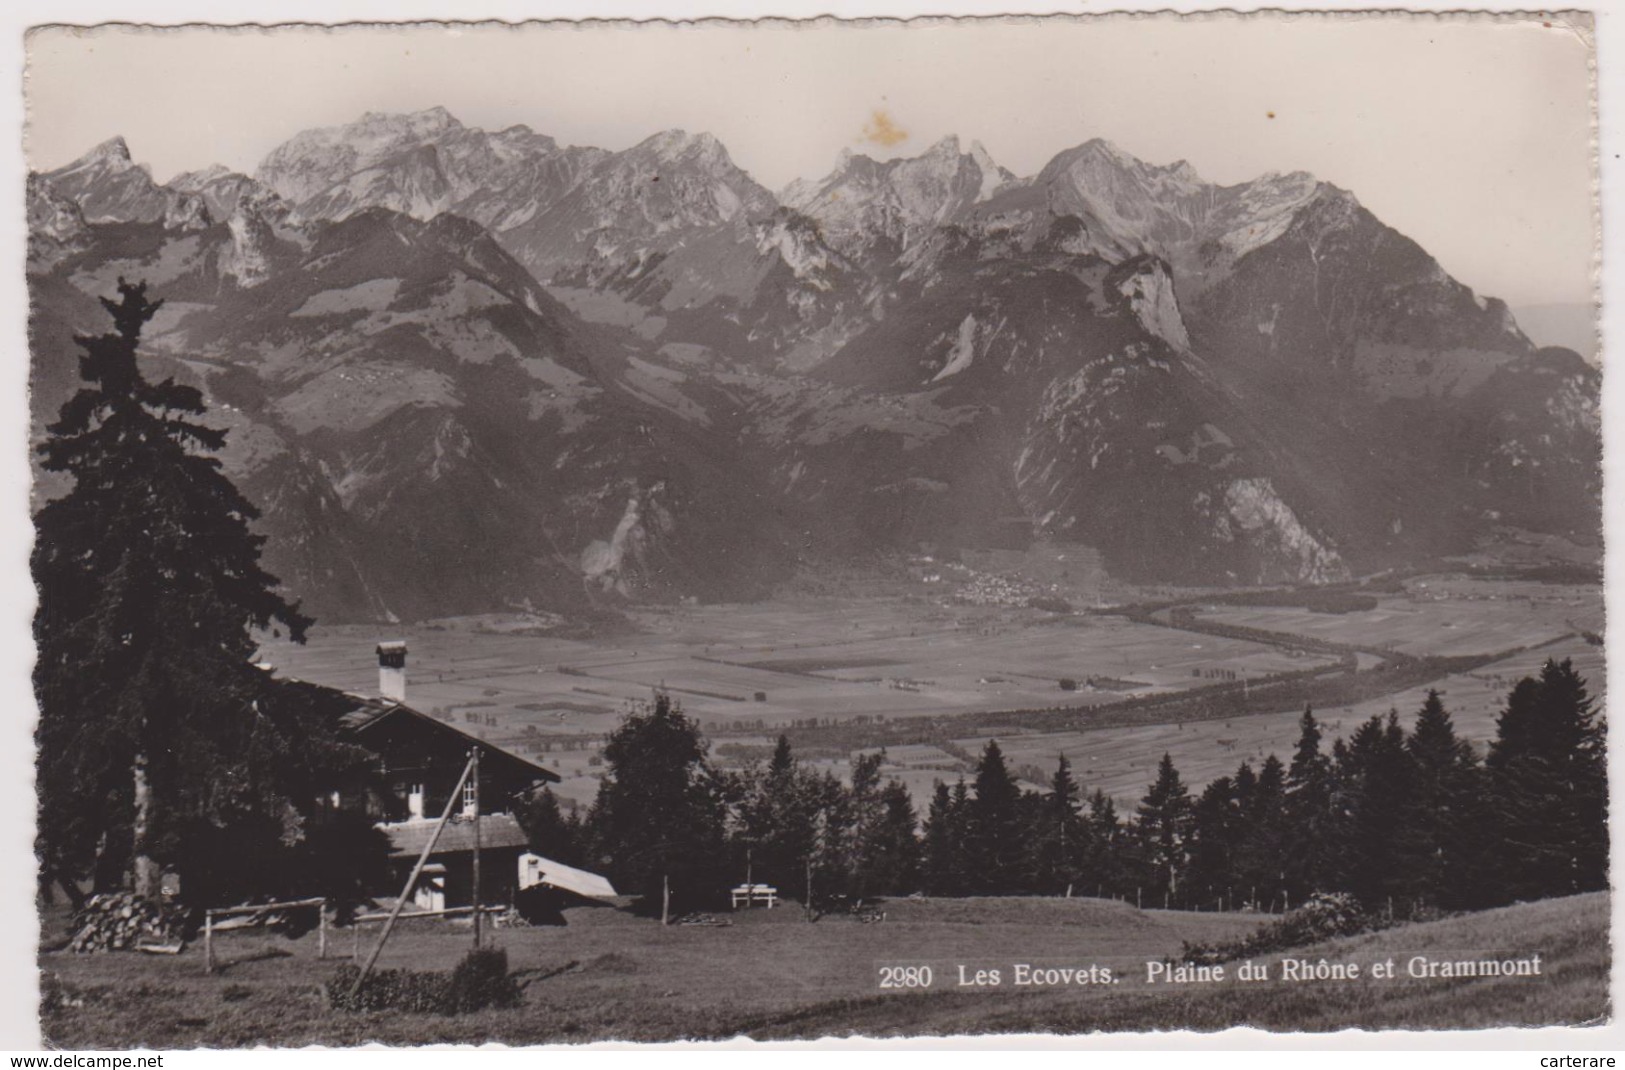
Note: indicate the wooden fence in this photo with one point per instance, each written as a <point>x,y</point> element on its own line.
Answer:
<point>209,917</point>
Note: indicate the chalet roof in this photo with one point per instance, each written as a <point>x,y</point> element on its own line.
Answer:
<point>365,713</point>
<point>406,838</point>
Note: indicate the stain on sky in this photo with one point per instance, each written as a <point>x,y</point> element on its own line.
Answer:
<point>881,130</point>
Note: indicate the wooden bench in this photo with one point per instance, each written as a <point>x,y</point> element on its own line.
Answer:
<point>751,894</point>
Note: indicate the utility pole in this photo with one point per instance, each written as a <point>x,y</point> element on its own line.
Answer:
<point>411,881</point>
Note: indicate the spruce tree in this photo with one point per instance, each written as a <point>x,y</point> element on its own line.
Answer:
<point>156,729</point>
<point>1311,866</point>
<point>944,850</point>
<point>1443,839</point>
<point>1104,863</point>
<point>1216,832</point>
<point>1162,829</point>
<point>993,835</point>
<point>658,815</point>
<point>782,762</point>
<point>894,845</point>
<point>1377,777</point>
<point>1262,850</point>
<point>1060,836</point>
<point>853,829</point>
<point>1548,776</point>
<point>778,815</point>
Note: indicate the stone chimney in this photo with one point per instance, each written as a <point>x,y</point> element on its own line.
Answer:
<point>392,670</point>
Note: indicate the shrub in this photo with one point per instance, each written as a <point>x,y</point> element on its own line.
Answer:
<point>480,980</point>
<point>1324,916</point>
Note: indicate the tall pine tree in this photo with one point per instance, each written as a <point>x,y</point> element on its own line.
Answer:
<point>1310,864</point>
<point>1443,840</point>
<point>1060,838</point>
<point>156,730</point>
<point>994,845</point>
<point>659,816</point>
<point>1548,776</point>
<point>1162,829</point>
<point>945,864</point>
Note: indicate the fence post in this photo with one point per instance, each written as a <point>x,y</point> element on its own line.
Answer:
<point>208,941</point>
<point>321,930</point>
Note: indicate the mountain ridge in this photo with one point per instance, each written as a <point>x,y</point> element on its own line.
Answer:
<point>641,374</point>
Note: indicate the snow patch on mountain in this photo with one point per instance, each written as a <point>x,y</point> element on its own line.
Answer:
<point>993,176</point>
<point>963,351</point>
<point>248,258</point>
<point>1252,510</point>
<point>801,252</point>
<point>1149,292</point>
<point>611,564</point>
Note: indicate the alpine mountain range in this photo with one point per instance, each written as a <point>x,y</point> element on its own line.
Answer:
<point>466,371</point>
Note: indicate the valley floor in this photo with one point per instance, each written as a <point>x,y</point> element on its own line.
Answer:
<point>924,669</point>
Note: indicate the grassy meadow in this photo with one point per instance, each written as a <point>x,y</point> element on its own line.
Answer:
<point>607,974</point>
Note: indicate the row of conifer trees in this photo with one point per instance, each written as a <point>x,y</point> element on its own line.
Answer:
<point>1407,817</point>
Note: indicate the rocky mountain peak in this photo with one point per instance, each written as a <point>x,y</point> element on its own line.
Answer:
<point>114,151</point>
<point>1182,170</point>
<point>1101,162</point>
<point>899,200</point>
<point>108,186</point>
<point>419,123</point>
<point>110,157</point>
<point>192,181</point>
<point>671,146</point>
<point>313,161</point>
<point>521,136</point>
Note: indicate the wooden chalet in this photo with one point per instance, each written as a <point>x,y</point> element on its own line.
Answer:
<point>419,761</point>
<point>413,764</point>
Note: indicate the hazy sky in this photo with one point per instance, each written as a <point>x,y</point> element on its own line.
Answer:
<point>1472,137</point>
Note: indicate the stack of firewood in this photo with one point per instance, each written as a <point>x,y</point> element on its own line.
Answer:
<point>122,921</point>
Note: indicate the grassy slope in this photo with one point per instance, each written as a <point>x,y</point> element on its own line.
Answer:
<point>770,975</point>
<point>1570,934</point>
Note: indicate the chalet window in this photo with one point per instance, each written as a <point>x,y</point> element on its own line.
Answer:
<point>469,798</point>
<point>414,800</point>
